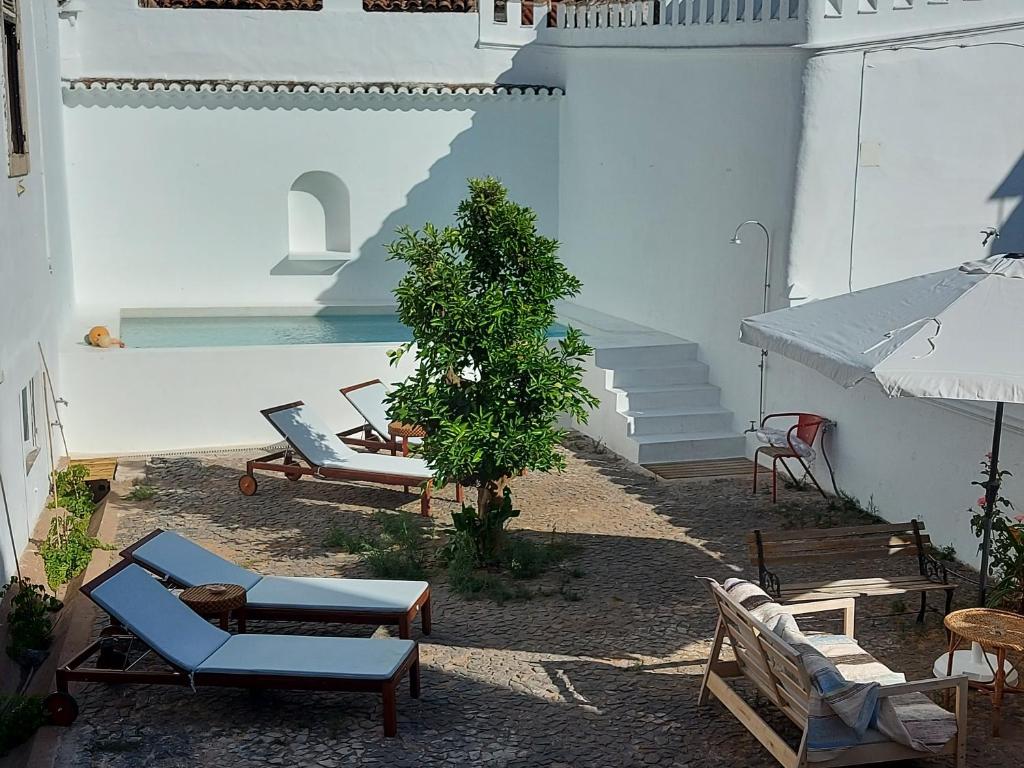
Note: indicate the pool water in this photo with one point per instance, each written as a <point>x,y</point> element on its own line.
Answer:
<point>235,331</point>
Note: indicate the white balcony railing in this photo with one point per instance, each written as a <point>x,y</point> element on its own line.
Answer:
<point>698,23</point>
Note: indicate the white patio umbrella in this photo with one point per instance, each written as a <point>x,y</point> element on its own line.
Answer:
<point>920,337</point>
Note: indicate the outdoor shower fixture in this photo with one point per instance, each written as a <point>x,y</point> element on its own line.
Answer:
<point>767,284</point>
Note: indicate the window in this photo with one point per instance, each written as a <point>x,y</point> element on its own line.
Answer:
<point>29,424</point>
<point>14,91</point>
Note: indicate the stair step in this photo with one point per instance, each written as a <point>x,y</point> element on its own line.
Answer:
<point>651,356</point>
<point>689,446</point>
<point>666,396</point>
<point>708,418</point>
<point>693,372</point>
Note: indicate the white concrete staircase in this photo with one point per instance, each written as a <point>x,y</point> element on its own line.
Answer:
<point>656,403</point>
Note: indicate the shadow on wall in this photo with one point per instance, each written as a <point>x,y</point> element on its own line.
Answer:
<point>495,144</point>
<point>1011,231</point>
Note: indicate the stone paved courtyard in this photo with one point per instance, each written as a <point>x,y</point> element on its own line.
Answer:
<point>602,674</point>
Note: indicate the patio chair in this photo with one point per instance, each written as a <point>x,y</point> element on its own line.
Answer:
<point>197,654</point>
<point>368,399</point>
<point>328,458</point>
<point>184,563</point>
<point>799,439</point>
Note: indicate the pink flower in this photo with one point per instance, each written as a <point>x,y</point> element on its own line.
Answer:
<point>1019,518</point>
<point>981,501</point>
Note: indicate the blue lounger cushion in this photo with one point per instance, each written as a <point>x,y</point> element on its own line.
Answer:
<point>187,563</point>
<point>171,554</point>
<point>369,595</point>
<point>301,656</point>
<point>164,623</point>
<point>313,439</point>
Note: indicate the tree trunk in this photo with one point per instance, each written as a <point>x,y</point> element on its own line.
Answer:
<point>489,495</point>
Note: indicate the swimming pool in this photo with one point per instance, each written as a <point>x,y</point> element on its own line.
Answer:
<point>151,332</point>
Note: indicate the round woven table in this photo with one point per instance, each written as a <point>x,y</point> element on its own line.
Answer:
<point>219,604</point>
<point>998,631</point>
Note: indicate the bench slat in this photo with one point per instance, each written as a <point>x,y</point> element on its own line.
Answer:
<point>830,533</point>
<point>861,554</point>
<point>816,545</point>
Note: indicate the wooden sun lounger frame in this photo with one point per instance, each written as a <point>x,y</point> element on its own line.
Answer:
<point>774,667</point>
<point>403,619</point>
<point>75,671</point>
<point>294,471</point>
<point>371,439</point>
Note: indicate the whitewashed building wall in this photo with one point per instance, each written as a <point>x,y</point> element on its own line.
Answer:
<point>35,279</point>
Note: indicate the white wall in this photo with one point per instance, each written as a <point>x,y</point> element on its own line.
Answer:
<point>943,158</point>
<point>181,399</point>
<point>182,201</point>
<point>662,154</point>
<point>342,42</point>
<point>35,273</point>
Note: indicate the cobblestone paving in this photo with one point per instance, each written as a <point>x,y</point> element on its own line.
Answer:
<point>607,677</point>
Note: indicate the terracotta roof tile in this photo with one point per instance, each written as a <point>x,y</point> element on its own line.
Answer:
<point>293,87</point>
<point>242,5</point>
<point>420,6</point>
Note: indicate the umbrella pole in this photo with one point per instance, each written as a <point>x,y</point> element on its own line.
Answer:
<point>991,494</point>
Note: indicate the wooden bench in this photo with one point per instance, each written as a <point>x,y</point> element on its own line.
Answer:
<point>769,549</point>
<point>775,669</point>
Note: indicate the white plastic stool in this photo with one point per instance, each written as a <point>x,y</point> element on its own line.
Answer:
<point>976,664</point>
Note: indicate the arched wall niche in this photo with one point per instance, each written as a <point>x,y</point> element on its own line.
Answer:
<point>319,218</point>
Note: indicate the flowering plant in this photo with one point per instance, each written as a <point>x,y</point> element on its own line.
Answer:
<point>1006,560</point>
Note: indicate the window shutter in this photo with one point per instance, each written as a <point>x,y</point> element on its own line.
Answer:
<point>10,9</point>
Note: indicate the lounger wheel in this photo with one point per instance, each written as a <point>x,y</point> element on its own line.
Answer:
<point>247,485</point>
<point>61,707</point>
<point>293,476</point>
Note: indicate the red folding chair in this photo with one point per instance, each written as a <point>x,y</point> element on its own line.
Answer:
<point>806,429</point>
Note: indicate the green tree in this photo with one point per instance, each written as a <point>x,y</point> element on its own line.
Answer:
<point>480,297</point>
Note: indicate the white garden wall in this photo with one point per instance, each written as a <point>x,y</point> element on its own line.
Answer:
<point>342,42</point>
<point>652,189</point>
<point>182,200</point>
<point>35,277</point>
<point>941,158</point>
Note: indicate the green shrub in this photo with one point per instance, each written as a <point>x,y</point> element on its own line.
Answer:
<point>339,538</point>
<point>30,618</point>
<point>20,717</point>
<point>71,492</point>
<point>395,552</point>
<point>393,564</point>
<point>67,549</point>
<point>141,493</point>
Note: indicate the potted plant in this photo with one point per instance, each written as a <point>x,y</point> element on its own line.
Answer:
<point>29,621</point>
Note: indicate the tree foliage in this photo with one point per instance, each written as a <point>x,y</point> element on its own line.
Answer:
<point>480,297</point>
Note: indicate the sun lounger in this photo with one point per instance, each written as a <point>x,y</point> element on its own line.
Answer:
<point>198,654</point>
<point>327,457</point>
<point>368,399</point>
<point>286,598</point>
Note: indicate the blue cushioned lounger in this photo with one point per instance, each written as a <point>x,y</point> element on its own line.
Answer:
<point>199,654</point>
<point>292,598</point>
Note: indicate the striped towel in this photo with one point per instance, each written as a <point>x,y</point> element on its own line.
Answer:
<point>845,708</point>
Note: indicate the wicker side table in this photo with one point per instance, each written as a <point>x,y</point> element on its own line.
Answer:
<point>218,603</point>
<point>400,434</point>
<point>999,631</point>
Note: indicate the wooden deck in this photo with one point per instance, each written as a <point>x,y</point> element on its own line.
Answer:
<point>696,470</point>
<point>99,469</point>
